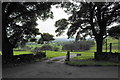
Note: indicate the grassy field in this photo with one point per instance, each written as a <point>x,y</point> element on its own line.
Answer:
<point>40,45</point>
<point>51,54</point>
<point>90,53</point>
<point>84,54</point>
<point>115,45</point>
<point>22,52</point>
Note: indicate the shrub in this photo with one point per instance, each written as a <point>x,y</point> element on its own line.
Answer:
<point>40,55</point>
<point>55,49</point>
<point>23,58</point>
<point>36,49</point>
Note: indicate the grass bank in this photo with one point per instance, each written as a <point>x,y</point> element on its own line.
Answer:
<point>92,63</point>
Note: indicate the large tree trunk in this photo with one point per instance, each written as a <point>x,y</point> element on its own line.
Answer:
<point>7,48</point>
<point>99,43</point>
<point>7,53</point>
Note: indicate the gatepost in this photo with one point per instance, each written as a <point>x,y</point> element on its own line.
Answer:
<point>110,47</point>
<point>68,56</point>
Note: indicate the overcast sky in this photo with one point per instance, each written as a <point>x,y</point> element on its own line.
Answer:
<point>48,25</point>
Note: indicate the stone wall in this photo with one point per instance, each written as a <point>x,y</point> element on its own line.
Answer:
<point>108,56</point>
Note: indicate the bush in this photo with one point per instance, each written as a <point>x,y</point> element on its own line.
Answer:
<point>40,55</point>
<point>55,49</point>
<point>36,49</point>
<point>23,58</point>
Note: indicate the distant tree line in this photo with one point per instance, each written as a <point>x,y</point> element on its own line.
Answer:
<point>46,47</point>
<point>78,46</point>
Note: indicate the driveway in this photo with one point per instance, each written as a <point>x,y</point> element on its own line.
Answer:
<point>57,69</point>
<point>59,59</point>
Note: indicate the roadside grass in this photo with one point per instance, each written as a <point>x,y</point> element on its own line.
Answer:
<point>0,53</point>
<point>92,63</point>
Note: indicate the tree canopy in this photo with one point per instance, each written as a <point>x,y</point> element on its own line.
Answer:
<point>20,18</point>
<point>45,38</point>
<point>19,23</point>
<point>89,18</point>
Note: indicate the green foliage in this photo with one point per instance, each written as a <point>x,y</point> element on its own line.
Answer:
<point>114,32</point>
<point>55,49</point>
<point>92,63</point>
<point>19,20</point>
<point>61,25</point>
<point>45,37</point>
<point>33,40</point>
<point>89,19</point>
<point>36,49</point>
<point>78,46</point>
<point>46,47</point>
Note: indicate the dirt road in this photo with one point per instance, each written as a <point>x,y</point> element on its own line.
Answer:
<point>58,69</point>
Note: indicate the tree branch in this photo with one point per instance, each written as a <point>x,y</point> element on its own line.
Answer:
<point>112,13</point>
<point>91,20</point>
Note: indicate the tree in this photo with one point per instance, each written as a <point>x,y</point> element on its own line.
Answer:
<point>19,24</point>
<point>45,38</point>
<point>114,32</point>
<point>89,18</point>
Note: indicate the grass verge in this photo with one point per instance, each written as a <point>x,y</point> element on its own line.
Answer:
<point>92,63</point>
<point>0,53</point>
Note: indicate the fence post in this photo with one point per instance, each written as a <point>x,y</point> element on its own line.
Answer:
<point>68,56</point>
<point>110,47</point>
<point>118,45</point>
<point>106,45</point>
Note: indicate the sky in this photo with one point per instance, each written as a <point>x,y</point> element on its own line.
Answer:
<point>48,25</point>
